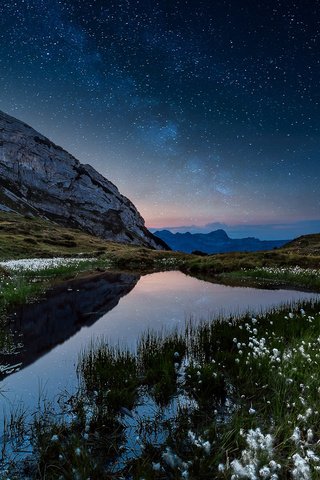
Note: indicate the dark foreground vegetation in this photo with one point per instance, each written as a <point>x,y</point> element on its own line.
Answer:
<point>232,399</point>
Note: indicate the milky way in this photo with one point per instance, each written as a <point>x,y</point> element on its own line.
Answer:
<point>199,111</point>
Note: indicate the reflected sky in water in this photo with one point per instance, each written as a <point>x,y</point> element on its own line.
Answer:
<point>164,300</point>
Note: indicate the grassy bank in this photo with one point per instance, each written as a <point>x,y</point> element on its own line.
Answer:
<point>295,277</point>
<point>23,281</point>
<point>19,286</point>
<point>34,237</point>
<point>228,399</point>
<point>22,237</point>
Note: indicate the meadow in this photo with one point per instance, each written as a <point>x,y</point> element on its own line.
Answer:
<point>233,398</point>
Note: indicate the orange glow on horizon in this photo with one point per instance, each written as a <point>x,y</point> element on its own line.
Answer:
<point>174,222</point>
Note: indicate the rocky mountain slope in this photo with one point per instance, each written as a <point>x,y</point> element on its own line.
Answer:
<point>39,178</point>
<point>215,242</point>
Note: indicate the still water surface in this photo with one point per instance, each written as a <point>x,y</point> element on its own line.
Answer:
<point>120,307</point>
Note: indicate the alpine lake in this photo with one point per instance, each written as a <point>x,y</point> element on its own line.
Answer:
<point>53,341</point>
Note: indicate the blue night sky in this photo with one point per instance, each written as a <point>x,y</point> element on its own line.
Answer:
<point>199,111</point>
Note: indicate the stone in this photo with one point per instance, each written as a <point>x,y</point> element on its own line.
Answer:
<point>39,178</point>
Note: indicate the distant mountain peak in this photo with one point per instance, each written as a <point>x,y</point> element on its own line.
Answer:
<point>216,241</point>
<point>219,234</point>
<point>40,178</point>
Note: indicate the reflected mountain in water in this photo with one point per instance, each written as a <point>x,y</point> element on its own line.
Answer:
<point>65,310</point>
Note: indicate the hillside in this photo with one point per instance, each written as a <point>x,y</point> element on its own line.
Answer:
<point>31,237</point>
<point>41,179</point>
<point>304,245</point>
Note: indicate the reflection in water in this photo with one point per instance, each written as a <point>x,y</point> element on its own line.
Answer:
<point>55,330</point>
<point>67,308</point>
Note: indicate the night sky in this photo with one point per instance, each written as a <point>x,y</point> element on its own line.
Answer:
<point>199,111</point>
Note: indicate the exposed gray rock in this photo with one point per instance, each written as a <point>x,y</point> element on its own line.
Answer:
<point>40,178</point>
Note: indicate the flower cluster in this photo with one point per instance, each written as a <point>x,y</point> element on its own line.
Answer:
<point>34,264</point>
<point>251,464</point>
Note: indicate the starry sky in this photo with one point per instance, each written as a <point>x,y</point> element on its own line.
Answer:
<point>200,111</point>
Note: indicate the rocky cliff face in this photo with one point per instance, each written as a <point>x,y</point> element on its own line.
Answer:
<point>39,178</point>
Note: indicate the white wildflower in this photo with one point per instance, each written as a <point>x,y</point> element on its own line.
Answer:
<point>264,472</point>
<point>312,456</point>
<point>170,458</point>
<point>296,436</point>
<point>309,435</point>
<point>33,264</point>
<point>301,470</point>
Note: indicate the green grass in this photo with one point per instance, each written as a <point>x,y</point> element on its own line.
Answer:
<point>21,286</point>
<point>36,237</point>
<point>251,403</point>
<point>159,359</point>
<point>17,290</point>
<point>111,375</point>
<point>230,262</point>
<point>304,278</point>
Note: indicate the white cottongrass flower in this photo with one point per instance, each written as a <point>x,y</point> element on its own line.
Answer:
<point>248,467</point>
<point>199,442</point>
<point>33,264</point>
<point>296,436</point>
<point>309,435</point>
<point>301,470</point>
<point>171,458</point>
<point>313,456</point>
<point>264,472</point>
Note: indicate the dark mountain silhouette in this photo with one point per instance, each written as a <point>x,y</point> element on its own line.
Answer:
<point>214,242</point>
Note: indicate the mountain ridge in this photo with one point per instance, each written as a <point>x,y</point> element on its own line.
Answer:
<point>216,241</point>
